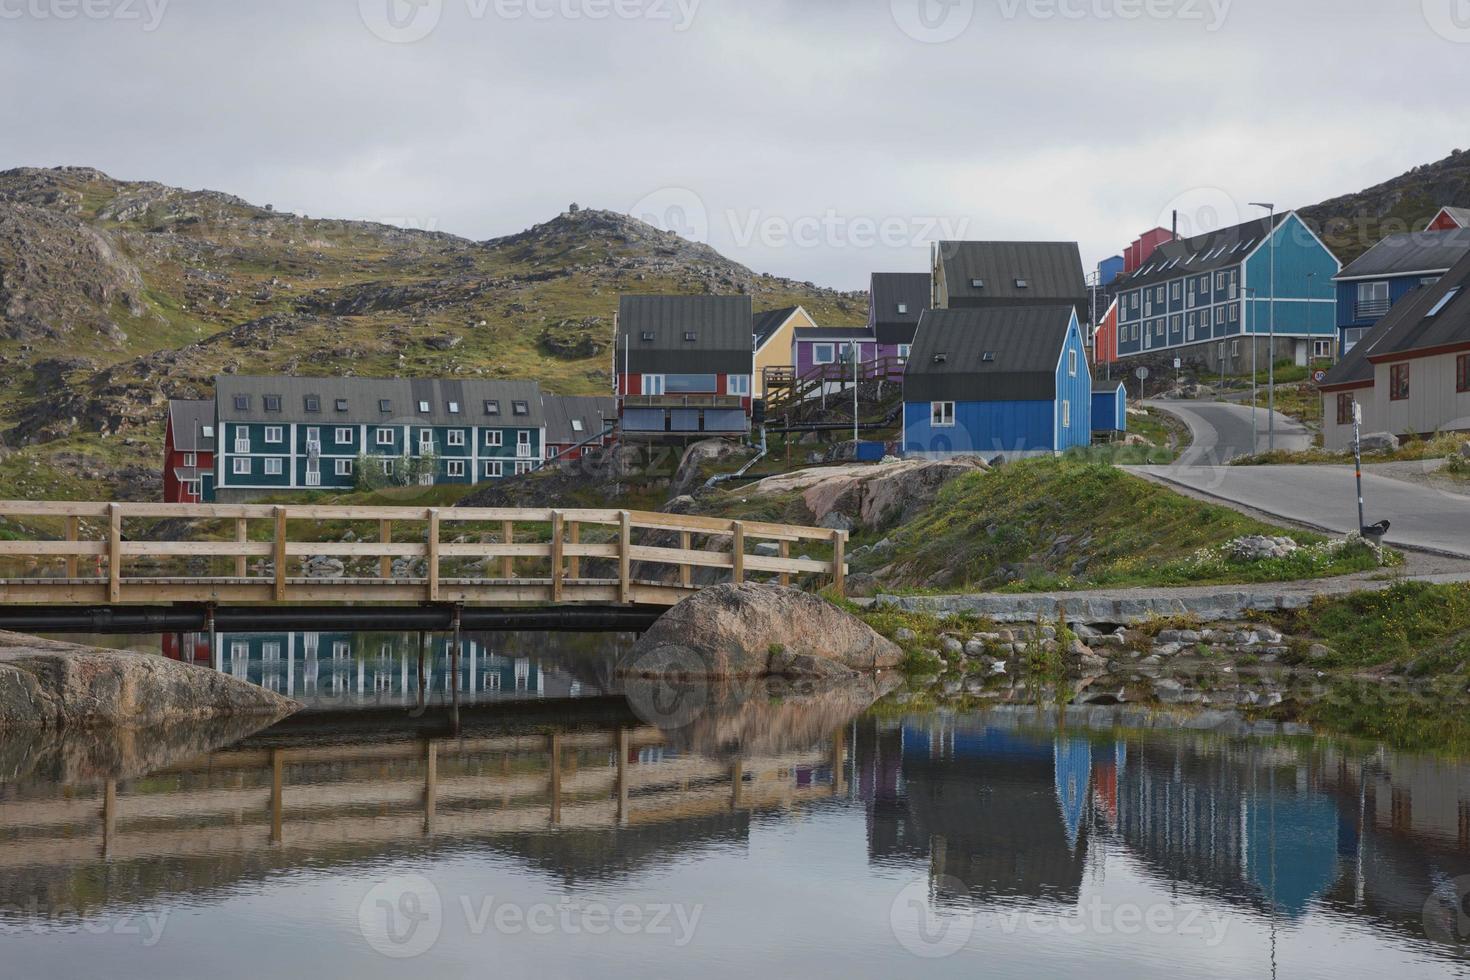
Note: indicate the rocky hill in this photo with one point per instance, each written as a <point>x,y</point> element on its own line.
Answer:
<point>116,296</point>
<point>1353,223</point>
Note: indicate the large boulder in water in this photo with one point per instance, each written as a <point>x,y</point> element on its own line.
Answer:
<point>758,630</point>
<point>46,684</point>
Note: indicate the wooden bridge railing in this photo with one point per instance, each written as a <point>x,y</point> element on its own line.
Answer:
<point>105,554</point>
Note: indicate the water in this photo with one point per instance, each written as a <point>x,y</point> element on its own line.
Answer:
<point>564,824</point>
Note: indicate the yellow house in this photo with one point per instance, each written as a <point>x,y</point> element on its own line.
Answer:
<point>774,331</point>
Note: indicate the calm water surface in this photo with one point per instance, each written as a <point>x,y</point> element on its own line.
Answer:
<point>529,815</point>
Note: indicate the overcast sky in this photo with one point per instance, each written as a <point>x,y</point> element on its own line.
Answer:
<point>818,139</point>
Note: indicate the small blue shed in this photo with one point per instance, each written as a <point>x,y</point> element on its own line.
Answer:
<point>1110,408</point>
<point>1012,381</point>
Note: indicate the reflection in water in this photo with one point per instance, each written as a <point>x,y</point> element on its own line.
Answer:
<point>792,819</point>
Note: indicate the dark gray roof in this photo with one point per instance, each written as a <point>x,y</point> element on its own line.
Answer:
<point>590,410</point>
<point>1430,252</point>
<point>188,418</point>
<point>1052,272</point>
<point>722,328</point>
<point>1106,389</point>
<point>1026,343</point>
<point>1416,330</point>
<point>833,333</point>
<point>363,396</point>
<point>1203,253</point>
<point>887,291</point>
<point>767,323</point>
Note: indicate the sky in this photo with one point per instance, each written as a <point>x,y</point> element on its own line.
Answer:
<point>817,139</point>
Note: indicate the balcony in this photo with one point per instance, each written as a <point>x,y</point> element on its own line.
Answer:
<point>683,401</point>
<point>523,451</point>
<point>1372,309</point>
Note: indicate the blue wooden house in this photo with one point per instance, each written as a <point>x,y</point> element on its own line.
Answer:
<point>1374,282</point>
<point>1208,299</point>
<point>1012,381</point>
<point>1110,408</point>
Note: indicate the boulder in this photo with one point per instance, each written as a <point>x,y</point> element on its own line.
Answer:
<point>754,630</point>
<point>1258,547</point>
<point>689,475</point>
<point>46,684</point>
<point>1379,442</point>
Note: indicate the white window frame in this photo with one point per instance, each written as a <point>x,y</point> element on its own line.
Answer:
<point>523,466</point>
<point>654,384</point>
<point>494,438</point>
<point>385,437</point>
<point>523,444</point>
<point>387,467</point>
<point>345,437</point>
<point>454,467</point>
<point>494,469</point>
<point>738,384</point>
<point>314,439</point>
<point>207,431</point>
<point>454,408</point>
<point>903,309</point>
<point>941,415</point>
<point>275,434</point>
<point>904,350</point>
<point>424,408</point>
<point>240,466</point>
<point>1071,364</point>
<point>273,466</point>
<point>191,459</point>
<point>454,437</point>
<point>1066,413</point>
<point>577,425</point>
<point>831,357</point>
<point>1321,348</point>
<point>426,441</point>
<point>343,467</point>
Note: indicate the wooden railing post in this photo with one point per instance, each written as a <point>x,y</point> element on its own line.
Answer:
<point>242,534</point>
<point>385,536</point>
<point>557,527</point>
<point>625,547</point>
<point>737,550</point>
<point>507,536</point>
<point>686,572</point>
<point>574,536</point>
<point>72,527</point>
<point>839,571</point>
<point>785,552</point>
<point>114,553</point>
<point>433,554</point>
<point>280,553</point>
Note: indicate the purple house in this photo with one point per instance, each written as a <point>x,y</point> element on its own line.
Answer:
<point>827,351</point>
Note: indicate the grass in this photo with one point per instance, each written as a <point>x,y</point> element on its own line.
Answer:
<point>1298,401</point>
<point>1416,625</point>
<point>1445,445</point>
<point>1163,433</point>
<point>1066,524</point>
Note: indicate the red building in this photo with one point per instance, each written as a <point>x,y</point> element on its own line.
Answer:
<point>188,452</point>
<point>1105,339</point>
<point>1449,219</point>
<point>578,425</point>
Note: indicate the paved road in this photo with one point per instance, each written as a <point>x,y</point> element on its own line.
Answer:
<point>1221,431</point>
<point>1325,497</point>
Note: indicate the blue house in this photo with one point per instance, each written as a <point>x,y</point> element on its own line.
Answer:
<point>1012,381</point>
<point>1386,273</point>
<point>1206,299</point>
<point>1110,408</point>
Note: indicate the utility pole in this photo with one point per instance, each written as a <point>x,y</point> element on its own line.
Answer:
<point>1271,346</point>
<point>1358,457</point>
<point>1251,295</point>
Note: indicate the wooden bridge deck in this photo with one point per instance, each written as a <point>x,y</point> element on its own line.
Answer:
<point>59,553</point>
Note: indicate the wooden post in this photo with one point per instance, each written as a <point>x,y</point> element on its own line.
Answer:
<point>737,550</point>
<point>280,553</point>
<point>555,779</point>
<point>242,534</point>
<point>625,546</point>
<point>433,554</point>
<point>785,553</point>
<point>574,536</point>
<point>114,553</point>
<point>507,536</point>
<point>385,536</point>
<point>556,555</point>
<point>839,571</point>
<point>686,572</point>
<point>72,525</point>
<point>431,784</point>
<point>624,744</point>
<point>278,791</point>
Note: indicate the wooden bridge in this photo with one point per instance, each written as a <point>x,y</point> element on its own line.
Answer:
<point>119,554</point>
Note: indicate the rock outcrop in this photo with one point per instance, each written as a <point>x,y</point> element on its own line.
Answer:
<point>46,684</point>
<point>758,630</point>
<point>870,495</point>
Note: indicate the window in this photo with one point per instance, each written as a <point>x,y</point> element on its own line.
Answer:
<point>690,336</point>
<point>242,403</point>
<point>272,466</point>
<point>387,467</point>
<point>426,441</point>
<point>272,403</point>
<point>738,384</point>
<point>1234,348</point>
<point>313,403</point>
<point>1174,292</point>
<point>1022,283</point>
<point>341,404</point>
<point>647,336</point>
<point>824,353</point>
<point>523,438</point>
<point>344,467</point>
<point>492,406</point>
<point>454,408</point>
<point>423,408</point>
<point>273,434</point>
<point>520,408</point>
<point>977,283</point>
<point>1321,348</point>
<point>1066,414</point>
<point>455,467</point>
<point>1398,382</point>
<point>454,437</point>
<point>577,425</point>
<point>653,384</point>
<point>1444,301</point>
<point>1219,281</point>
<point>904,350</point>
<point>314,440</point>
<point>903,308</point>
<point>241,467</point>
<point>494,438</point>
<point>1234,314</point>
<point>344,437</point>
<point>385,405</point>
<point>1072,363</point>
<point>191,459</point>
<point>385,437</point>
<point>1462,373</point>
<point>1345,409</point>
<point>494,469</point>
<point>1373,299</point>
<point>523,467</point>
<point>207,431</point>
<point>941,414</point>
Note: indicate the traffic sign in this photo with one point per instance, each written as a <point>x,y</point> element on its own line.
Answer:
<point>1320,377</point>
<point>1141,374</point>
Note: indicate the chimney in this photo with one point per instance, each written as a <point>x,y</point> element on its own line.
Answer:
<point>1174,230</point>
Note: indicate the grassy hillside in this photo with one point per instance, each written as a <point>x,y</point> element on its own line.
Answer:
<point>1353,223</point>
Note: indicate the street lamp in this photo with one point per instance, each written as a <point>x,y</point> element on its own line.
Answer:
<point>1250,293</point>
<point>1270,347</point>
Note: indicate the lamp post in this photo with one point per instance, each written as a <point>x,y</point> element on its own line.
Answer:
<point>1250,293</point>
<point>1271,346</point>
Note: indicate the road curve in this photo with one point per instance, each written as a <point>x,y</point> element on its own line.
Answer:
<point>1221,431</point>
